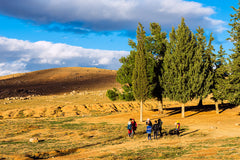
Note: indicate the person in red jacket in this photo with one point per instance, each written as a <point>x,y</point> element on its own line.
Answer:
<point>134,126</point>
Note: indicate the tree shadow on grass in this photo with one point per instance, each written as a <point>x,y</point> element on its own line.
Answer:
<point>58,153</point>
<point>198,109</point>
<point>187,133</point>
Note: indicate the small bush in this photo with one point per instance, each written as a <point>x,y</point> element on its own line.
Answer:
<point>112,94</point>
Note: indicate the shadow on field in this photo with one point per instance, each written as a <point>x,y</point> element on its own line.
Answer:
<point>58,153</point>
<point>184,134</point>
<point>198,109</point>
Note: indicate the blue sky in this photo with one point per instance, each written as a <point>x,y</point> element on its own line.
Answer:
<point>42,34</point>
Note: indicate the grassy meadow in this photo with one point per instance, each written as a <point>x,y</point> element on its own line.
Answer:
<point>102,133</point>
<point>71,135</point>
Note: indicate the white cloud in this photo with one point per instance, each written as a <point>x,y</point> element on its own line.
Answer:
<point>17,55</point>
<point>218,25</point>
<point>17,66</point>
<point>104,15</point>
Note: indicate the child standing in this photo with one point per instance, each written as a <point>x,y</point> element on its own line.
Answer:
<point>155,130</point>
<point>149,131</point>
<point>129,127</point>
<point>178,127</point>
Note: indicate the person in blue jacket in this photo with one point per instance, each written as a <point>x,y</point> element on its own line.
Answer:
<point>129,127</point>
<point>149,131</point>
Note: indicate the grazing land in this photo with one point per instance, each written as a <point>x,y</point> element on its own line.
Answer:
<point>66,111</point>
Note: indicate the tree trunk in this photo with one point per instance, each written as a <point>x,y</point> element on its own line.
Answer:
<point>141,111</point>
<point>160,107</point>
<point>200,102</point>
<point>183,110</point>
<point>216,106</point>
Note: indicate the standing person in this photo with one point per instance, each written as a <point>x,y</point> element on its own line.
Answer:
<point>129,127</point>
<point>177,127</point>
<point>149,131</point>
<point>134,126</point>
<point>160,122</point>
<point>148,122</point>
<point>155,130</point>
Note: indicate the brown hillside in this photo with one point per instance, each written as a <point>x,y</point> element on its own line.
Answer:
<point>57,81</point>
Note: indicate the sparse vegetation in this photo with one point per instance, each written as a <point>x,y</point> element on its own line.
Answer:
<point>112,94</point>
<point>68,135</point>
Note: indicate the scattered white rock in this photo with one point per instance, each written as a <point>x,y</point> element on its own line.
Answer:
<point>33,140</point>
<point>213,127</point>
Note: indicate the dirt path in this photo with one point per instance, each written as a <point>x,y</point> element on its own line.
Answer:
<point>207,124</point>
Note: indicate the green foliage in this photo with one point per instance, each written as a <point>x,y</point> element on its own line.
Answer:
<point>206,64</point>
<point>156,46</point>
<point>233,88</point>
<point>139,78</point>
<point>182,65</point>
<point>127,94</point>
<point>220,76</point>
<point>124,73</point>
<point>112,94</point>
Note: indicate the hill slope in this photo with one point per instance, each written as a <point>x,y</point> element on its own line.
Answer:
<point>57,81</point>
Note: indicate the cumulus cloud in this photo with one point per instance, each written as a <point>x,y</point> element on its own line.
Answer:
<point>17,66</point>
<point>17,56</point>
<point>83,16</point>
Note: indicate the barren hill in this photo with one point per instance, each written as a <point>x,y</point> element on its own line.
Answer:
<point>57,81</point>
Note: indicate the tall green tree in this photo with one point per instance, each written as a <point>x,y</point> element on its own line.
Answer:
<point>157,46</point>
<point>182,66</point>
<point>207,64</point>
<point>220,78</point>
<point>234,77</point>
<point>139,78</point>
<point>125,72</point>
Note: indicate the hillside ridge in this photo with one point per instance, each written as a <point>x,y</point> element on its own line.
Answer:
<point>57,81</point>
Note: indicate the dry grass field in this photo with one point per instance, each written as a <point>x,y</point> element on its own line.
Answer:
<point>66,112</point>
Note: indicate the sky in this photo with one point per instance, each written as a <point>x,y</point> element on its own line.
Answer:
<point>43,34</point>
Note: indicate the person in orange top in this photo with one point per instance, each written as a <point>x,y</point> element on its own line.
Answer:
<point>177,127</point>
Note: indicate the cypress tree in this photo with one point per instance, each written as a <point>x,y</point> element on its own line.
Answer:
<point>157,45</point>
<point>234,77</point>
<point>125,72</point>
<point>139,78</point>
<point>220,78</point>
<point>182,66</point>
<point>206,66</point>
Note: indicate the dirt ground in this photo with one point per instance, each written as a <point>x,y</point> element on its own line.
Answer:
<point>205,134</point>
<point>224,125</point>
<point>204,127</point>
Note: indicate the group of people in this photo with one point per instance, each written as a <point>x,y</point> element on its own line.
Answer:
<point>155,128</point>
<point>132,127</point>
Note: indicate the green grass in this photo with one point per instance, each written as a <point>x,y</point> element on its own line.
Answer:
<point>59,134</point>
<point>54,139</point>
<point>149,153</point>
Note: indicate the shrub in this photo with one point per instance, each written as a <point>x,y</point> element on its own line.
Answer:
<point>112,94</point>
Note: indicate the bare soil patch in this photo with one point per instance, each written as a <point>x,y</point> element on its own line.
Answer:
<point>85,124</point>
